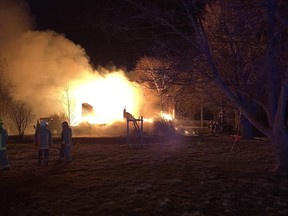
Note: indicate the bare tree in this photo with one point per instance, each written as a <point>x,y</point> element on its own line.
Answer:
<point>157,75</point>
<point>69,104</point>
<point>21,115</point>
<point>254,71</point>
<point>247,63</point>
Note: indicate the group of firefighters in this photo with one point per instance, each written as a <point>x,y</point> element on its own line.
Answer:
<point>43,140</point>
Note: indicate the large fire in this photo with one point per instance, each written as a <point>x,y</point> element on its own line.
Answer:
<point>106,97</point>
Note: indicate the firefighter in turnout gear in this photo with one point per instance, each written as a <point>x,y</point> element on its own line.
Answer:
<point>66,141</point>
<point>43,139</point>
<point>4,162</point>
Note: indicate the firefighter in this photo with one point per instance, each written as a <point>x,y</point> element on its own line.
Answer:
<point>66,142</point>
<point>43,139</point>
<point>5,165</point>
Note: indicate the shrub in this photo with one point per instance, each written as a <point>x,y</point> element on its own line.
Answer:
<point>163,127</point>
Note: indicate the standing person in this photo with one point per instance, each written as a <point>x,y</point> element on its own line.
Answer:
<point>66,141</point>
<point>5,165</point>
<point>215,128</point>
<point>43,139</point>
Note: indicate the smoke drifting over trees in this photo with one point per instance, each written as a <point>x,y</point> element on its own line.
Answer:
<point>40,63</point>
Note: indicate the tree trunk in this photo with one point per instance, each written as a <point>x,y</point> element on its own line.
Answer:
<point>280,143</point>
<point>21,136</point>
<point>247,128</point>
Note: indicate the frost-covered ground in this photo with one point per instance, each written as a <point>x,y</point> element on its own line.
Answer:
<point>188,176</point>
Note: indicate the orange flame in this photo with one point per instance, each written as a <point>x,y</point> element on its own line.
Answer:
<point>99,99</point>
<point>108,95</point>
<point>166,116</point>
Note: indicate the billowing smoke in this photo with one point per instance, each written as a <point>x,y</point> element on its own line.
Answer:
<point>40,63</point>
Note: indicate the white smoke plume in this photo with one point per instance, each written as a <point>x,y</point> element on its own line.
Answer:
<point>41,63</point>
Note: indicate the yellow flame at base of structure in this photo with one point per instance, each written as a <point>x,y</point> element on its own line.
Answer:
<point>107,95</point>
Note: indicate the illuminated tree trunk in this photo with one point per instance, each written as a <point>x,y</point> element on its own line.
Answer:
<point>69,108</point>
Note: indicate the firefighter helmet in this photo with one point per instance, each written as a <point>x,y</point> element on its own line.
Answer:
<point>65,123</point>
<point>43,124</point>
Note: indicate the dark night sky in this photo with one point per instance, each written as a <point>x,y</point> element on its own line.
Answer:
<point>90,23</point>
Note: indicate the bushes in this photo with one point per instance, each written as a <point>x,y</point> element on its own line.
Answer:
<point>163,127</point>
